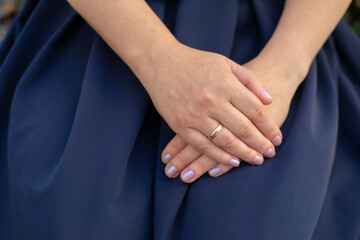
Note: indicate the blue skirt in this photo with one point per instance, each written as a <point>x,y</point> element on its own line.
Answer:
<point>80,140</point>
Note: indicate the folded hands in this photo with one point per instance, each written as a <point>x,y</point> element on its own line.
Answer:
<point>199,90</point>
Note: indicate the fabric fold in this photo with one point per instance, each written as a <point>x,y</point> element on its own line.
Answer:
<point>81,141</point>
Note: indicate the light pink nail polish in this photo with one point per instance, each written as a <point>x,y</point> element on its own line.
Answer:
<point>215,171</point>
<point>258,160</point>
<point>188,175</point>
<point>234,162</point>
<point>171,171</point>
<point>167,158</point>
<point>277,141</point>
<point>266,93</point>
<point>270,153</point>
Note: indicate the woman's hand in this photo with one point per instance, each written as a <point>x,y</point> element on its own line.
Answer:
<point>282,81</point>
<point>281,85</point>
<point>194,90</point>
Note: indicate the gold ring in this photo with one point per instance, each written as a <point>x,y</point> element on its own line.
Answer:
<point>216,131</point>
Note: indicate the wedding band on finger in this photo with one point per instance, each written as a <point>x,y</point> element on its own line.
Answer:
<point>216,131</point>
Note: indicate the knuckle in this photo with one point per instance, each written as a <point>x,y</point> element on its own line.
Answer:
<point>246,131</point>
<point>204,147</point>
<point>177,121</point>
<point>230,88</point>
<point>259,115</point>
<point>206,98</point>
<point>253,78</point>
<point>227,83</point>
<point>228,142</point>
<point>180,121</point>
<point>180,162</point>
<point>233,89</point>
<point>191,113</point>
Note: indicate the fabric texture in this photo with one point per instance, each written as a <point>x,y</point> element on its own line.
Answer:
<point>80,140</point>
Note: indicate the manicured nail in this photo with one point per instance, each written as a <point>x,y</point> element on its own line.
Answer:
<point>277,141</point>
<point>266,93</point>
<point>215,171</point>
<point>188,175</point>
<point>257,160</point>
<point>167,158</point>
<point>234,162</point>
<point>171,171</point>
<point>270,153</point>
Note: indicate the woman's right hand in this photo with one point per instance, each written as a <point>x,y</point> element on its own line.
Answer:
<point>194,90</point>
<point>279,77</point>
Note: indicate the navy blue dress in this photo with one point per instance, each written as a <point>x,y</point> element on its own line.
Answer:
<point>80,140</point>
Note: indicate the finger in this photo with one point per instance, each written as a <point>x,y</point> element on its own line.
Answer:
<point>232,144</point>
<point>219,170</point>
<point>180,161</point>
<point>242,128</point>
<point>203,145</point>
<point>197,168</point>
<point>251,82</point>
<point>202,165</point>
<point>255,111</point>
<point>172,148</point>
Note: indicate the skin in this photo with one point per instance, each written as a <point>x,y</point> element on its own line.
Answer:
<point>187,158</point>
<point>193,90</point>
<point>207,88</point>
<point>282,65</point>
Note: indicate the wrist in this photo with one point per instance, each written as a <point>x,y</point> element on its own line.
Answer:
<point>150,57</point>
<point>292,64</point>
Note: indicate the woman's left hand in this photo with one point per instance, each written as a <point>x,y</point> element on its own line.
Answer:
<point>280,81</point>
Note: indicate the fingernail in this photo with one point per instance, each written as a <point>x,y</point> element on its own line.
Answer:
<point>234,162</point>
<point>270,153</point>
<point>215,171</point>
<point>167,158</point>
<point>171,171</point>
<point>257,160</point>
<point>277,141</point>
<point>188,175</point>
<point>266,93</point>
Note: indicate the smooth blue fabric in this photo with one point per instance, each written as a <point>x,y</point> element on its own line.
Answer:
<point>80,140</point>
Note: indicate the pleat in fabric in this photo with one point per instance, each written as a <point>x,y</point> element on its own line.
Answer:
<point>81,141</point>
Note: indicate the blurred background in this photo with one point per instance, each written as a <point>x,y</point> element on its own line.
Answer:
<point>353,16</point>
<point>8,9</point>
